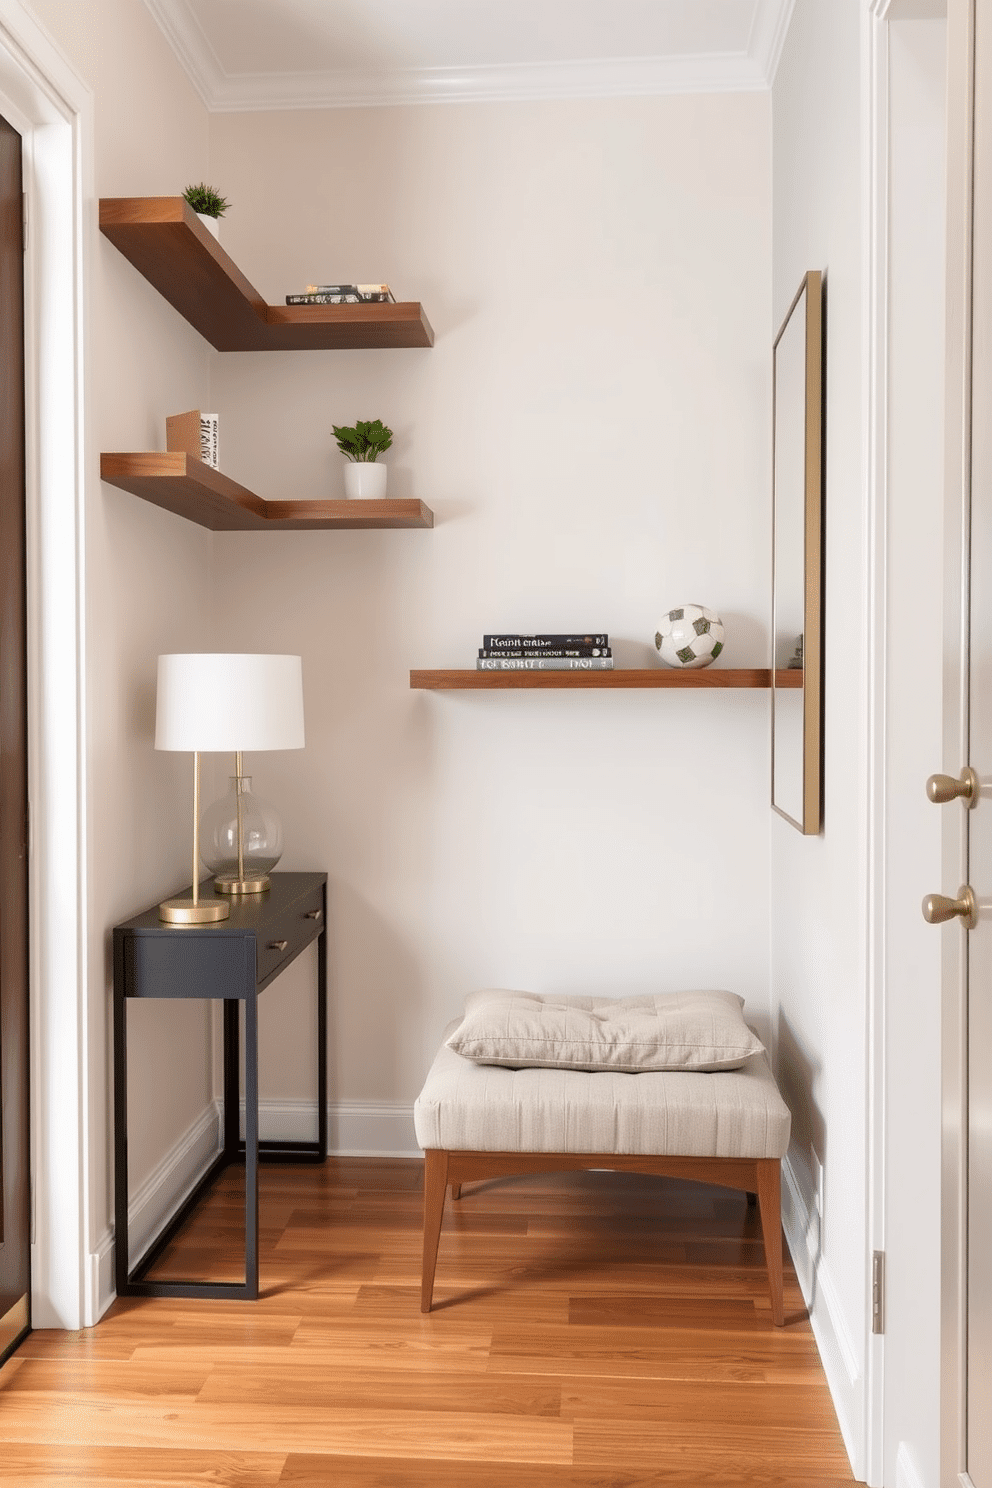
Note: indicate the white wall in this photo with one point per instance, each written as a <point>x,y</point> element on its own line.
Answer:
<point>818,884</point>
<point>147,584</point>
<point>591,430</point>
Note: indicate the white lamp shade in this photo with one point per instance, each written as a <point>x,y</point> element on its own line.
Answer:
<point>225,702</point>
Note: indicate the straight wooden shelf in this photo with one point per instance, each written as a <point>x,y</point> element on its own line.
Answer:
<point>707,677</point>
<point>166,242</point>
<point>182,484</point>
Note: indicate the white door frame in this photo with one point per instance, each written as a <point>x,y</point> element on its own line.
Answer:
<point>52,109</point>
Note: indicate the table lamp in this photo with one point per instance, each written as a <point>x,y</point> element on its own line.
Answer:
<point>229,702</point>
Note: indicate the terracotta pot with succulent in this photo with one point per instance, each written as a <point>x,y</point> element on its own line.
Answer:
<point>361,444</point>
<point>208,205</point>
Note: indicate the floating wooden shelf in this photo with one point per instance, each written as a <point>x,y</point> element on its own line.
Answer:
<point>184,485</point>
<point>166,242</point>
<point>707,677</point>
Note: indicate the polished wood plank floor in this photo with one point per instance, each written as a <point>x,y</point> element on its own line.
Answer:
<point>591,1330</point>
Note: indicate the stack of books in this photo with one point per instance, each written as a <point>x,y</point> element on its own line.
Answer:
<point>343,294</point>
<point>588,652</point>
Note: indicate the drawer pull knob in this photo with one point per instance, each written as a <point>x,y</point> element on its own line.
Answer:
<point>278,945</point>
<point>314,914</point>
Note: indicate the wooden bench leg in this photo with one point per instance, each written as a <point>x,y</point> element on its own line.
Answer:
<point>770,1205</point>
<point>435,1187</point>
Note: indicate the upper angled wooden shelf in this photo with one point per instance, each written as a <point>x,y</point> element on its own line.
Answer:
<point>707,677</point>
<point>181,484</point>
<point>166,242</point>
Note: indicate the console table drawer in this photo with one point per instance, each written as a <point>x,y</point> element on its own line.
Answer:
<point>283,939</point>
<point>185,964</point>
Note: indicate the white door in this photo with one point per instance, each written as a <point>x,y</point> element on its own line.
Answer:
<point>967,1054</point>
<point>979,971</point>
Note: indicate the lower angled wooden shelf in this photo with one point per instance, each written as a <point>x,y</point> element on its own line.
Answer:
<point>182,484</point>
<point>706,677</point>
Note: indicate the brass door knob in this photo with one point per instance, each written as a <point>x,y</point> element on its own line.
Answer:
<point>937,908</point>
<point>944,788</point>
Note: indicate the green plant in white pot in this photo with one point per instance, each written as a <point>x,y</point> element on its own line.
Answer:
<point>361,444</point>
<point>208,205</point>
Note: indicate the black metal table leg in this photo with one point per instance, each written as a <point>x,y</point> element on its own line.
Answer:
<point>322,1038</point>
<point>121,1257</point>
<point>251,1144</point>
<point>232,1079</point>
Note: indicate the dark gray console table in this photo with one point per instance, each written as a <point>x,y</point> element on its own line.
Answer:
<point>234,960</point>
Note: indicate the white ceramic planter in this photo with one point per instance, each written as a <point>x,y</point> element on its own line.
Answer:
<point>212,224</point>
<point>364,479</point>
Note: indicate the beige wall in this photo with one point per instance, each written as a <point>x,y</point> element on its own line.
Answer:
<point>591,429</point>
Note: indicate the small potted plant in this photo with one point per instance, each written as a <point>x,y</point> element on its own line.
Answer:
<point>208,205</point>
<point>361,444</point>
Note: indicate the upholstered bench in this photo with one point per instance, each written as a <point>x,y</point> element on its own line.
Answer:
<point>532,1113</point>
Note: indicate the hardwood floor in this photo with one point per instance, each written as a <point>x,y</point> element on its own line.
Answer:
<point>590,1330</point>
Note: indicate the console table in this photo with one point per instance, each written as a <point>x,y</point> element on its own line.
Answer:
<point>234,960</point>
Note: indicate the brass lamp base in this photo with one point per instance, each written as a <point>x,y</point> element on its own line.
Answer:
<point>252,883</point>
<point>193,911</point>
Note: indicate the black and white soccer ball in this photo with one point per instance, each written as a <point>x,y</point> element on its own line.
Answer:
<point>691,636</point>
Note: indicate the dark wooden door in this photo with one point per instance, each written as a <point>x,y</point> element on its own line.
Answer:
<point>15,1232</point>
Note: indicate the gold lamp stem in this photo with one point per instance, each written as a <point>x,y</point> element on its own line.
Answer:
<point>196,827</point>
<point>192,911</point>
<point>241,819</point>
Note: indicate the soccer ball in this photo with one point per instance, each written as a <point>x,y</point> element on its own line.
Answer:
<point>691,636</point>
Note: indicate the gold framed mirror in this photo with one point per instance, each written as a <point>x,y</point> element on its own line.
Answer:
<point>797,524</point>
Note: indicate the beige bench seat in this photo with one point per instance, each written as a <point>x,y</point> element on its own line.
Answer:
<point>727,1113</point>
<point>728,1127</point>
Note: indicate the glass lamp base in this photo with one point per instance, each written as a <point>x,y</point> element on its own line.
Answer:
<point>252,883</point>
<point>241,840</point>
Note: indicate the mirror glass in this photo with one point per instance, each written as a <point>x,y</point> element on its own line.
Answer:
<point>796,546</point>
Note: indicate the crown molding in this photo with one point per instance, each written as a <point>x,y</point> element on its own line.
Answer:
<point>771,25</point>
<point>188,40</point>
<point>716,72</point>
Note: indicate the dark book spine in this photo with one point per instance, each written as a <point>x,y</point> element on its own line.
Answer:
<point>552,651</point>
<point>541,641</point>
<point>544,664</point>
<point>323,299</point>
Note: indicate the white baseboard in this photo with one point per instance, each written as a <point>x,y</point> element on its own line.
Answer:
<point>172,1179</point>
<point>907,1473</point>
<point>355,1129</point>
<point>100,1280</point>
<point>837,1352</point>
<point>161,1193</point>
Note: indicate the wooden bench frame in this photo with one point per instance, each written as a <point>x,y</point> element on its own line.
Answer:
<point>760,1175</point>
